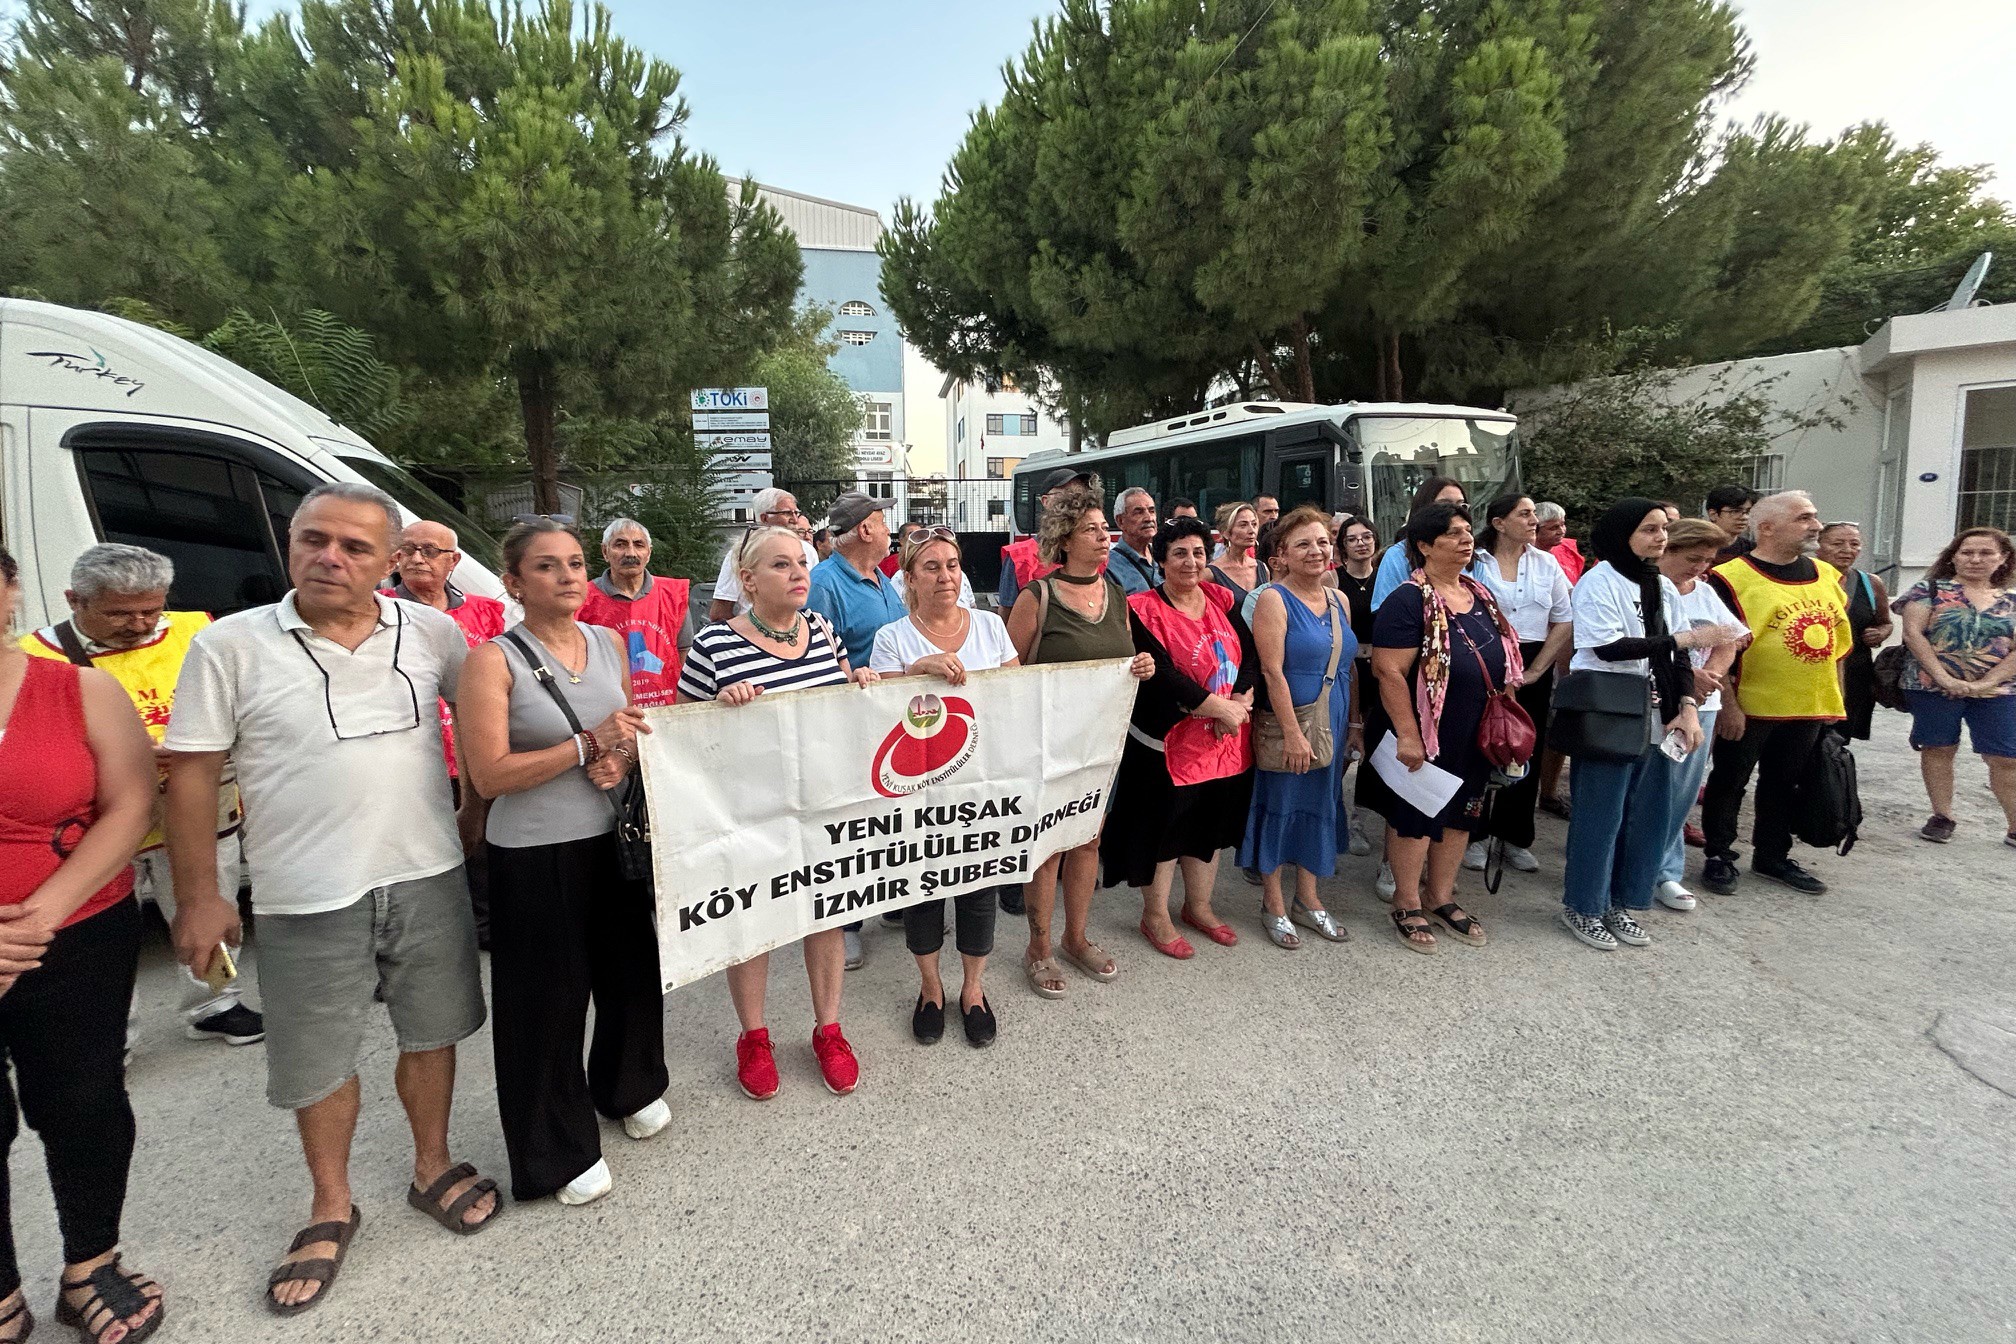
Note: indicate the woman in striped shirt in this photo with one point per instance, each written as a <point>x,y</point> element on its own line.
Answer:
<point>777,646</point>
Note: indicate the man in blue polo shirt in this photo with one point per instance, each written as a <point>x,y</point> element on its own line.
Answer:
<point>849,590</point>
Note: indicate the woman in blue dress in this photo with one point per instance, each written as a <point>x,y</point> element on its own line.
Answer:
<point>1298,818</point>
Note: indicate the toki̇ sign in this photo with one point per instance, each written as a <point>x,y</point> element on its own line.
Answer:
<point>731,399</point>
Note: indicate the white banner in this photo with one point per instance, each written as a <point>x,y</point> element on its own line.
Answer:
<point>740,421</point>
<point>808,810</point>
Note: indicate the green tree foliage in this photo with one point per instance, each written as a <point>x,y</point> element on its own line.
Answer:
<point>1332,199</point>
<point>1637,433</point>
<point>813,413</point>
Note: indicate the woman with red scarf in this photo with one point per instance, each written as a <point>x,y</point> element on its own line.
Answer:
<point>1186,774</point>
<point>1441,649</point>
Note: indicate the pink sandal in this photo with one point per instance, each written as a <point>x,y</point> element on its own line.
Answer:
<point>1222,935</point>
<point>1177,947</point>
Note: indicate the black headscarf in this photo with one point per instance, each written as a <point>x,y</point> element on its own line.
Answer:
<point>1672,673</point>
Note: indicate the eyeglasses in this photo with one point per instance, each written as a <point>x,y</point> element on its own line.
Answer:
<point>424,551</point>
<point>359,731</point>
<point>782,513</point>
<point>564,519</point>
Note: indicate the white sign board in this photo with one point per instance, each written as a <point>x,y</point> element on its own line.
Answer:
<point>739,420</point>
<point>916,790</point>
<point>731,398</point>
<point>874,455</point>
<point>746,482</point>
<point>733,441</point>
<point>741,462</point>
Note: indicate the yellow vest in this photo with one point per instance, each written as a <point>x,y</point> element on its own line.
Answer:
<point>148,673</point>
<point>1800,630</point>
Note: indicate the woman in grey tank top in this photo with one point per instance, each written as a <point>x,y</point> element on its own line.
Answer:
<point>565,924</point>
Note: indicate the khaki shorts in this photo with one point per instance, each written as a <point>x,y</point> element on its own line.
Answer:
<point>411,945</point>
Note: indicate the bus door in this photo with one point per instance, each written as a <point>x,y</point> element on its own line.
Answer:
<point>1302,475</point>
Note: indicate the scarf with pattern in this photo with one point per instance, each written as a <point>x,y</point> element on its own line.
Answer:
<point>1431,685</point>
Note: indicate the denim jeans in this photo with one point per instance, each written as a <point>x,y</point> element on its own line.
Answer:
<point>1687,777</point>
<point>1617,838</point>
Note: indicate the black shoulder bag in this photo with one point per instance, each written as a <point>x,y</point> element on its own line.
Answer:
<point>633,817</point>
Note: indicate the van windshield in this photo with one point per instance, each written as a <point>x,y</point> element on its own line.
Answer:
<point>403,486</point>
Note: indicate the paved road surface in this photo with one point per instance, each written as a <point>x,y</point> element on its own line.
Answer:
<point>1746,1132</point>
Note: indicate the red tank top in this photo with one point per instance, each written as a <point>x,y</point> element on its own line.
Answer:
<point>48,788</point>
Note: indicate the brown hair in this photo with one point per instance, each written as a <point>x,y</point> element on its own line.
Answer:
<point>1942,568</point>
<point>1302,515</point>
<point>1693,534</point>
<point>1222,519</point>
<point>1066,508</point>
<point>519,539</point>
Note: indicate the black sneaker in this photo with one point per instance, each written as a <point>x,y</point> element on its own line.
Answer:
<point>236,1025</point>
<point>1790,873</point>
<point>1011,900</point>
<point>1720,876</point>
<point>892,919</point>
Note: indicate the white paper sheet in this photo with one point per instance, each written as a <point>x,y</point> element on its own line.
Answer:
<point>1428,790</point>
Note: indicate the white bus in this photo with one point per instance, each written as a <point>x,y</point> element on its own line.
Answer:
<point>1360,457</point>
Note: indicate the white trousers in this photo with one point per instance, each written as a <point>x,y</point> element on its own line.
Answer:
<point>153,879</point>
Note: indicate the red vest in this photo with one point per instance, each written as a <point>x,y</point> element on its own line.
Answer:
<point>650,625</point>
<point>1207,652</point>
<point>481,620</point>
<point>1028,568</point>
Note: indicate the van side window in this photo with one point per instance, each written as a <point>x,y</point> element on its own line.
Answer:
<point>207,514</point>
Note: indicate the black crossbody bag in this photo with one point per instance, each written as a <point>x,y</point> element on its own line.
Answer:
<point>633,817</point>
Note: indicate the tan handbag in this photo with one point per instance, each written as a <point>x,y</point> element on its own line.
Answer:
<point>1270,740</point>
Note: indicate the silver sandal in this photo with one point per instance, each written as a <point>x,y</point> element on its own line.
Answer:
<point>1319,920</point>
<point>1279,930</point>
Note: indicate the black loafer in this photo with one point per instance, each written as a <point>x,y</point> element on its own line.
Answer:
<point>927,1024</point>
<point>980,1024</point>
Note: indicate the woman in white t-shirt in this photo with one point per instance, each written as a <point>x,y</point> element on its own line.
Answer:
<point>944,637</point>
<point>1691,546</point>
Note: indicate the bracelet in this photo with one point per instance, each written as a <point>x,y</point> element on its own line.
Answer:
<point>580,752</point>
<point>591,749</point>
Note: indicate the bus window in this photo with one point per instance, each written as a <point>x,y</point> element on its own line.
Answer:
<point>1214,474</point>
<point>1400,452</point>
<point>1305,480</point>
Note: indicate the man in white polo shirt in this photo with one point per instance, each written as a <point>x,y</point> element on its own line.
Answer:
<point>326,704</point>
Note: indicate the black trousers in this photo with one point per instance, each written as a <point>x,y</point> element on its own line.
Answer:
<point>1512,809</point>
<point>64,1027</point>
<point>1778,750</point>
<point>476,867</point>
<point>567,928</point>
<point>973,935</point>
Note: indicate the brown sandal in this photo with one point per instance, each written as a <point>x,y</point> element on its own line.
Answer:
<point>428,1201</point>
<point>322,1269</point>
<point>115,1294</point>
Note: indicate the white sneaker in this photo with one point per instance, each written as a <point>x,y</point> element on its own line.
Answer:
<point>648,1121</point>
<point>1361,839</point>
<point>589,1186</point>
<point>1675,897</point>
<point>1473,856</point>
<point>856,954</point>
<point>1386,886</point>
<point>1521,859</point>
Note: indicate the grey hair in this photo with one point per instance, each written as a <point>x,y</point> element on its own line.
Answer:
<point>618,525</point>
<point>354,492</point>
<point>768,499</point>
<point>1549,512</point>
<point>1776,508</point>
<point>114,568</point>
<point>1120,504</point>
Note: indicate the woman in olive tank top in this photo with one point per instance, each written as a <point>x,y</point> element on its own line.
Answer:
<point>1074,614</point>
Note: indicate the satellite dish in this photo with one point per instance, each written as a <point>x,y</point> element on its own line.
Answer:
<point>1970,284</point>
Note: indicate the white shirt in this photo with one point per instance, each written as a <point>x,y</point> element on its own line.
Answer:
<point>1703,606</point>
<point>327,820</point>
<point>1606,609</point>
<point>901,643</point>
<point>728,583</point>
<point>1536,596</point>
<point>896,585</point>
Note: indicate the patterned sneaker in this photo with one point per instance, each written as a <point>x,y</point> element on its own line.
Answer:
<point>837,1064</point>
<point>1588,930</point>
<point>1626,929</point>
<point>1938,830</point>
<point>756,1065</point>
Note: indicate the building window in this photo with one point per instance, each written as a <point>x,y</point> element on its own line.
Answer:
<point>880,484</point>
<point>856,337</point>
<point>959,434</point>
<point>856,308</point>
<point>877,422</point>
<point>1988,459</point>
<point>1029,424</point>
<point>1764,473</point>
<point>996,424</point>
<point>997,468</point>
<point>997,508</point>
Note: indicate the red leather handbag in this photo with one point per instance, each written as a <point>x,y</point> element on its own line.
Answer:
<point>1505,734</point>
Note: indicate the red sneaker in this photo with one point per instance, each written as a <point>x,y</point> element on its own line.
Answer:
<point>1696,837</point>
<point>837,1064</point>
<point>755,1066</point>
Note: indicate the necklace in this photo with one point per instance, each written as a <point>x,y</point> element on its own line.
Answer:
<point>959,631</point>
<point>788,638</point>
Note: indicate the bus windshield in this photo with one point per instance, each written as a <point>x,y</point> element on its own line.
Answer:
<point>1401,451</point>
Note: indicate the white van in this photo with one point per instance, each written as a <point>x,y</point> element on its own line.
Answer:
<point>114,431</point>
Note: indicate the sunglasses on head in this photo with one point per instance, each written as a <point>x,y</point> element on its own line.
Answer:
<point>564,519</point>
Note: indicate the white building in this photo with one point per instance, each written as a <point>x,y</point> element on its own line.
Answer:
<point>990,426</point>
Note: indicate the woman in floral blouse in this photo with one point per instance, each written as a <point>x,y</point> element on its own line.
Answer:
<point>1960,626</point>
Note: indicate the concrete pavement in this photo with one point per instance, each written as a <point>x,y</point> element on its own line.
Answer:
<point>1748,1131</point>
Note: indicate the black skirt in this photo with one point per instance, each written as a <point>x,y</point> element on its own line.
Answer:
<point>1154,821</point>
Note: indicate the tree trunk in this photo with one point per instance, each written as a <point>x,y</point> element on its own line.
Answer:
<point>534,370</point>
<point>1396,384</point>
<point>1379,392</point>
<point>1305,372</point>
<point>1265,360</point>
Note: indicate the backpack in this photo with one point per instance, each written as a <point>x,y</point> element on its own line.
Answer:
<point>1827,810</point>
<point>1887,671</point>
